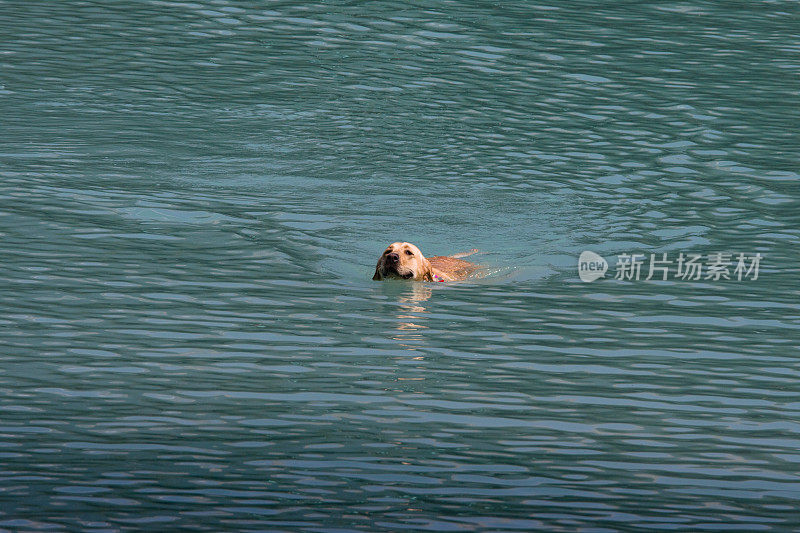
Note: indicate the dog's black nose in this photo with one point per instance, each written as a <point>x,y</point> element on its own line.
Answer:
<point>392,258</point>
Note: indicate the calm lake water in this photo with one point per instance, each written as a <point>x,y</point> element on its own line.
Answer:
<point>193,199</point>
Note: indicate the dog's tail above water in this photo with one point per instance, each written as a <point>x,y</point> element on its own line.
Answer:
<point>465,254</point>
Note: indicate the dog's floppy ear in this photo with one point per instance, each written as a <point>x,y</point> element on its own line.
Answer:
<point>378,276</point>
<point>427,274</point>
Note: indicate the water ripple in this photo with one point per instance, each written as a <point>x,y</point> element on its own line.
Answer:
<point>193,197</point>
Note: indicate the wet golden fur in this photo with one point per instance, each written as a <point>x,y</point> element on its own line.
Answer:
<point>403,260</point>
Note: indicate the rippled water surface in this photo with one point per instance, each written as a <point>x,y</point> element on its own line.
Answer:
<point>193,198</point>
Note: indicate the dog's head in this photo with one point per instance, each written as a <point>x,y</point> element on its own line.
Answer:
<point>403,260</point>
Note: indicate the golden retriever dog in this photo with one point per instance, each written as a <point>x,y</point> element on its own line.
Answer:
<point>403,260</point>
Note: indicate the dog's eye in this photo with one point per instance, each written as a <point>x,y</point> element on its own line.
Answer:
<point>408,252</point>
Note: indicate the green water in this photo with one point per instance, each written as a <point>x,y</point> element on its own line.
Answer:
<point>193,197</point>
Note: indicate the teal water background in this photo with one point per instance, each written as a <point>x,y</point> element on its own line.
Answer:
<point>193,196</point>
